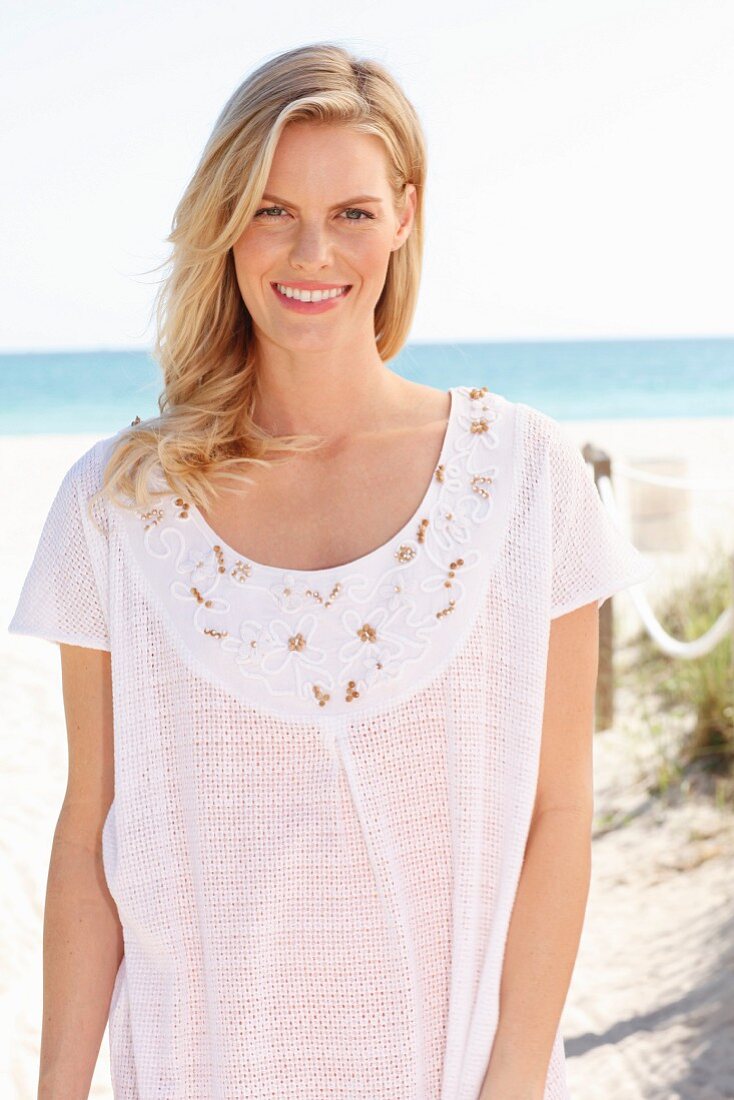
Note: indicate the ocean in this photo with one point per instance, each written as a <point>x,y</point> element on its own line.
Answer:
<point>100,392</point>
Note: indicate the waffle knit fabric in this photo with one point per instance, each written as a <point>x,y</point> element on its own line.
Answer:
<point>324,779</point>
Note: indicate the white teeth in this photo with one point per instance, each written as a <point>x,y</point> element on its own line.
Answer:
<point>309,295</point>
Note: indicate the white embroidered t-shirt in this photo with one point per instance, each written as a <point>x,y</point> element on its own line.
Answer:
<point>324,779</point>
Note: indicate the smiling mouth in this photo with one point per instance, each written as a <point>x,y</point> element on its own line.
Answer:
<point>299,295</point>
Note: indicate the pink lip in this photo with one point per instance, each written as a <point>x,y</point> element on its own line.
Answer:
<point>311,307</point>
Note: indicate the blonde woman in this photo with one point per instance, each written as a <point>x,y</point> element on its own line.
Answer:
<point>329,649</point>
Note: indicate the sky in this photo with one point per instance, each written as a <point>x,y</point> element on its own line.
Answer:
<point>580,162</point>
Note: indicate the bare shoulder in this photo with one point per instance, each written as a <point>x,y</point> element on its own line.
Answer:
<point>422,406</point>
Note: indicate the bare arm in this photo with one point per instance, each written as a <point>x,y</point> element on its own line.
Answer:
<point>548,914</point>
<point>82,937</point>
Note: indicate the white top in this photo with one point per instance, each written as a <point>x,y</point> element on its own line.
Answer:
<point>324,779</point>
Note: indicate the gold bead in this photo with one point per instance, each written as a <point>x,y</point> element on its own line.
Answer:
<point>405,553</point>
<point>322,696</point>
<point>478,482</point>
<point>215,633</point>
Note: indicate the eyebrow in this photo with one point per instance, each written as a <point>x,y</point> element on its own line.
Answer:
<point>347,202</point>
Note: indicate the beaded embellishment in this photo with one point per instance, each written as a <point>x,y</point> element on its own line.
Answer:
<point>332,640</point>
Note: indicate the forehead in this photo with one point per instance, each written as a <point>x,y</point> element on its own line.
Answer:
<point>329,158</point>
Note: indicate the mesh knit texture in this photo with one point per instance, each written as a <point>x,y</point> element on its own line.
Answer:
<point>316,903</point>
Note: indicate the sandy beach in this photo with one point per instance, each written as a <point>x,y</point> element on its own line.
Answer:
<point>650,1013</point>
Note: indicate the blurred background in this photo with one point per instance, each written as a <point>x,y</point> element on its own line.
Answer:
<point>578,259</point>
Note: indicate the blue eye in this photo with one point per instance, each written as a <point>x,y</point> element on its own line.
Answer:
<point>354,210</point>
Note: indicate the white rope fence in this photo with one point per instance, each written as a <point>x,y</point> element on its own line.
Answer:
<point>671,646</point>
<point>669,482</point>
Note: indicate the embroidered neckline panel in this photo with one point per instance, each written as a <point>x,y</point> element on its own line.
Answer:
<point>336,641</point>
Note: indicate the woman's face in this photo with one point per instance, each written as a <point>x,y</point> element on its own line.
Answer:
<point>325,220</point>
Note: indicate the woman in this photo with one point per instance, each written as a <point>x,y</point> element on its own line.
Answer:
<point>338,632</point>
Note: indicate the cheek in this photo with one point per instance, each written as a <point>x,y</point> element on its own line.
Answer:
<point>248,267</point>
<point>250,256</point>
<point>370,253</point>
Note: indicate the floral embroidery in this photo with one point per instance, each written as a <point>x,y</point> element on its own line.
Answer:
<point>248,647</point>
<point>201,568</point>
<point>293,594</point>
<point>294,648</point>
<point>331,637</point>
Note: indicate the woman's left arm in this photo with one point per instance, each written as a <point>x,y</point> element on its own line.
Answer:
<point>548,913</point>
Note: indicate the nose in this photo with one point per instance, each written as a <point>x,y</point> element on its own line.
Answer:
<point>310,248</point>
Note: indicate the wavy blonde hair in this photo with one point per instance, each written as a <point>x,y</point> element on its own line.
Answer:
<point>204,342</point>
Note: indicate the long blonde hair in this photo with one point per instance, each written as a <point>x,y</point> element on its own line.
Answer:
<point>204,339</point>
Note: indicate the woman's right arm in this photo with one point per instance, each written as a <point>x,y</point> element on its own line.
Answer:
<point>82,936</point>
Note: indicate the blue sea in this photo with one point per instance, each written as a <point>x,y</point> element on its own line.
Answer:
<point>102,391</point>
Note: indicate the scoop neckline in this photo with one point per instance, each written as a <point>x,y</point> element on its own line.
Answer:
<point>364,560</point>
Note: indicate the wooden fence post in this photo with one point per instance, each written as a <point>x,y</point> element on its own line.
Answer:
<point>604,708</point>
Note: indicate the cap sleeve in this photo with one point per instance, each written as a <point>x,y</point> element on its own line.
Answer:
<point>591,557</point>
<point>64,594</point>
